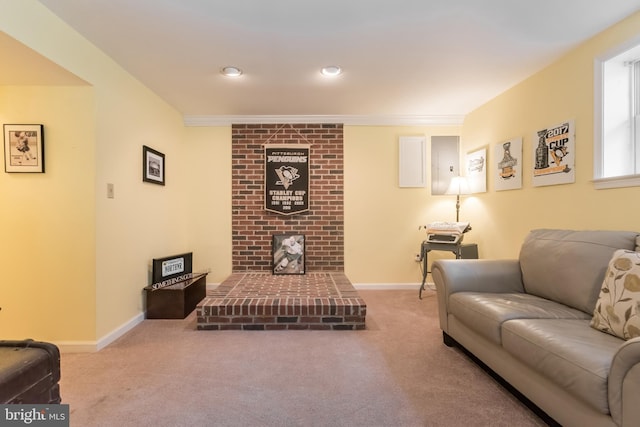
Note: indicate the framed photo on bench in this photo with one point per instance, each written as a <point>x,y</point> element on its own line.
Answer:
<point>288,254</point>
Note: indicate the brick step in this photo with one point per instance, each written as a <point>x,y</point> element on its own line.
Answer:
<point>262,301</point>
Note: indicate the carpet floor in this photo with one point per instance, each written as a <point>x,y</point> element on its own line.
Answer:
<point>396,372</point>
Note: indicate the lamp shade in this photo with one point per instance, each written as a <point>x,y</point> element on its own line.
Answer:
<point>459,185</point>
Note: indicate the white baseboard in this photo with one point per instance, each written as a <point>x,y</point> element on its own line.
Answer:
<point>117,333</point>
<point>386,286</point>
<point>392,286</point>
<point>93,346</point>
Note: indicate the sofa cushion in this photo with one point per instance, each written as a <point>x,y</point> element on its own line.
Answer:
<point>617,311</point>
<point>485,312</point>
<point>568,352</point>
<point>568,266</point>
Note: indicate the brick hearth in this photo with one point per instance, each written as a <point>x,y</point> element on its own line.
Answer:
<point>262,301</point>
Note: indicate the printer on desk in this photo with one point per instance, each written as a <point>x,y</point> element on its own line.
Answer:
<point>447,232</point>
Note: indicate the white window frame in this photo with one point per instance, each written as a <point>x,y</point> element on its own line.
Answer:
<point>599,179</point>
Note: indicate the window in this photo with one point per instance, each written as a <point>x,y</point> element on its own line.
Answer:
<point>617,117</point>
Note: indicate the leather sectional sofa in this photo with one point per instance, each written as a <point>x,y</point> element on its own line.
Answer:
<point>558,323</point>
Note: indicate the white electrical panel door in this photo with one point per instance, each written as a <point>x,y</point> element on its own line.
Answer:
<point>413,161</point>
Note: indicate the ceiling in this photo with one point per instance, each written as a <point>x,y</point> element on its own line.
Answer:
<point>401,58</point>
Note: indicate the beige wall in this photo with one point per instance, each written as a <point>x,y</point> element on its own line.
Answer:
<point>208,173</point>
<point>91,264</point>
<point>382,219</point>
<point>561,92</point>
<point>144,220</point>
<point>47,221</point>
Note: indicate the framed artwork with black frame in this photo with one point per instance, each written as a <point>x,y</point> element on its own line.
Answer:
<point>152,166</point>
<point>24,148</point>
<point>288,254</point>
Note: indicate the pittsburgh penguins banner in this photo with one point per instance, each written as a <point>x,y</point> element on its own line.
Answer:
<point>286,174</point>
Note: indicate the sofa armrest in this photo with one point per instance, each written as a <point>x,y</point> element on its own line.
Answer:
<point>477,275</point>
<point>624,384</point>
<point>473,275</point>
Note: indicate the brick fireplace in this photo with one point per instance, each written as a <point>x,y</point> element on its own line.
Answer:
<point>254,299</point>
<point>322,224</point>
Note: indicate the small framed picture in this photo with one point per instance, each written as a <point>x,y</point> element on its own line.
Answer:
<point>24,148</point>
<point>288,254</point>
<point>507,164</point>
<point>477,171</point>
<point>152,166</point>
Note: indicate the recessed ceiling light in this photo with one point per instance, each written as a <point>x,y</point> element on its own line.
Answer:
<point>231,71</point>
<point>331,70</point>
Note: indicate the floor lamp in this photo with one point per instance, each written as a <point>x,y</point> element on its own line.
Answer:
<point>458,186</point>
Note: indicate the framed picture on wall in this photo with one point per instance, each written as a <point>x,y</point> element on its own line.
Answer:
<point>508,164</point>
<point>152,166</point>
<point>476,164</point>
<point>288,254</point>
<point>24,148</point>
<point>554,155</point>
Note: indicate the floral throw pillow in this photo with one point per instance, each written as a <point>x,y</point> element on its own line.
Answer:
<point>617,311</point>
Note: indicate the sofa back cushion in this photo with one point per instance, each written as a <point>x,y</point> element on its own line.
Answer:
<point>568,266</point>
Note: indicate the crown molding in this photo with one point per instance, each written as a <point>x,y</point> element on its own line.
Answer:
<point>356,120</point>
